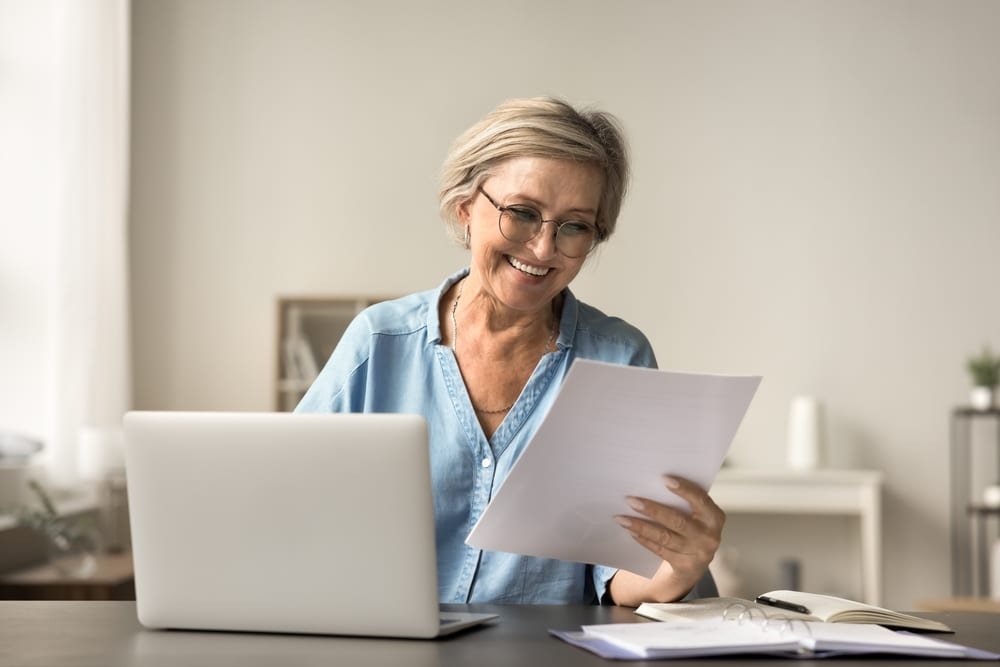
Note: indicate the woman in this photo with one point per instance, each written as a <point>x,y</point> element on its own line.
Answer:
<point>530,190</point>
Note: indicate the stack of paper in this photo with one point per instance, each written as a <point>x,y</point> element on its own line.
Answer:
<point>794,639</point>
<point>613,431</point>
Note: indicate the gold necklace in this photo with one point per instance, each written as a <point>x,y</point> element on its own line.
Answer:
<point>454,348</point>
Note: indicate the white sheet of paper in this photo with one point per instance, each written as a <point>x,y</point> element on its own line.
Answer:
<point>612,431</point>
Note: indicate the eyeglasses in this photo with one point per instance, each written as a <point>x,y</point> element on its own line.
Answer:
<point>520,224</point>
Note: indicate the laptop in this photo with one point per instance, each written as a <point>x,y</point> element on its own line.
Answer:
<point>279,522</point>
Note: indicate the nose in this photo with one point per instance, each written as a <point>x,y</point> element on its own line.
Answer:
<point>543,244</point>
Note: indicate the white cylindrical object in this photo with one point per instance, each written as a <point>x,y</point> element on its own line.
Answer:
<point>995,570</point>
<point>805,433</point>
<point>991,496</point>
<point>100,452</point>
<point>981,398</point>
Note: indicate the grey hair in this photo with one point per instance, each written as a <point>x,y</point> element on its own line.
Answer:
<point>537,127</point>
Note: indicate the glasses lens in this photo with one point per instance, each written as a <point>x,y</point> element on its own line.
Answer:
<point>575,239</point>
<point>519,223</point>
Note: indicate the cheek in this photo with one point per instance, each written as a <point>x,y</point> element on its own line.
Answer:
<point>573,268</point>
<point>486,238</point>
<point>486,227</point>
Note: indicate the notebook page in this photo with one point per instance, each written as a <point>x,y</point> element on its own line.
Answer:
<point>715,609</point>
<point>841,610</point>
<point>856,637</point>
<point>692,638</point>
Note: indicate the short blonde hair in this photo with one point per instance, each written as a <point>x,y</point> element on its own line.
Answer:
<point>537,127</point>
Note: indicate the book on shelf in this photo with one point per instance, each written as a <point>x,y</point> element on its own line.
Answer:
<point>300,362</point>
<point>761,636</point>
<point>789,605</point>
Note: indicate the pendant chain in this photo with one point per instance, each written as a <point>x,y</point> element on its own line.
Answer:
<point>454,347</point>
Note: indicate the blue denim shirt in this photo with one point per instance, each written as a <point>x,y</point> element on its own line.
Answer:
<point>391,359</point>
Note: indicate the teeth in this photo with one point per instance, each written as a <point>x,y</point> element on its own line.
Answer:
<point>521,266</point>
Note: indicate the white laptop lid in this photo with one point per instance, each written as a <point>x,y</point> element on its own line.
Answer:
<point>281,522</point>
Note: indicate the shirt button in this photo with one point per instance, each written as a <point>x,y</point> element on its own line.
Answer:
<point>487,462</point>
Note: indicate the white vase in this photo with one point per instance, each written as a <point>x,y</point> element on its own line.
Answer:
<point>995,570</point>
<point>805,433</point>
<point>981,398</point>
<point>991,496</point>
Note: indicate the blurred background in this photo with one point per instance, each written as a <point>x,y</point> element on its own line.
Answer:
<point>816,199</point>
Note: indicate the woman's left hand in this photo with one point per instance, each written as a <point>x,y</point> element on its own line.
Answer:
<point>686,542</point>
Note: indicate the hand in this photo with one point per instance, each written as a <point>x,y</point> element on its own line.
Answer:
<point>686,542</point>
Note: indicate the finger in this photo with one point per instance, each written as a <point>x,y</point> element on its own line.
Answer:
<point>660,540</point>
<point>680,564</point>
<point>694,533</point>
<point>679,561</point>
<point>702,505</point>
<point>683,551</point>
<point>668,517</point>
<point>685,488</point>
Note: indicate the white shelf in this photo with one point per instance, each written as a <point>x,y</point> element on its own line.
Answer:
<point>816,492</point>
<point>309,327</point>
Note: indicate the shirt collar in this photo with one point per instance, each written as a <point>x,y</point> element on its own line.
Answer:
<point>433,321</point>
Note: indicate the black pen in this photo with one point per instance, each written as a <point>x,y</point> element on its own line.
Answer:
<point>781,604</point>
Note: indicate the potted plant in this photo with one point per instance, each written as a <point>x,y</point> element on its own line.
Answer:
<point>985,371</point>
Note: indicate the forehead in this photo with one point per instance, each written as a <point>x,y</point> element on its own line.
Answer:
<point>559,184</point>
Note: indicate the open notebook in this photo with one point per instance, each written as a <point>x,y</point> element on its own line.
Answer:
<point>782,638</point>
<point>731,626</point>
<point>809,606</point>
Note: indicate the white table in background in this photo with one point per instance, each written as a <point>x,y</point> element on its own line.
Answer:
<point>815,492</point>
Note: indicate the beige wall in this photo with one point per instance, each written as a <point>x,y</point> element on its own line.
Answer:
<point>815,199</point>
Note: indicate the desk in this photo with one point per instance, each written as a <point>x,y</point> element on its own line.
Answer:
<point>961,604</point>
<point>111,580</point>
<point>851,492</point>
<point>73,634</point>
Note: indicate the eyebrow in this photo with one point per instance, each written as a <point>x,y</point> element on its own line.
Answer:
<point>526,199</point>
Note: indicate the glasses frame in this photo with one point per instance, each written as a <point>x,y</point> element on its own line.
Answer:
<point>559,225</point>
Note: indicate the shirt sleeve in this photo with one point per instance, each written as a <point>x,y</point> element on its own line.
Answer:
<point>705,588</point>
<point>602,577</point>
<point>340,386</point>
<point>644,355</point>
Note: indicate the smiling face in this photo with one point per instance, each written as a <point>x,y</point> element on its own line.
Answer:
<point>526,277</point>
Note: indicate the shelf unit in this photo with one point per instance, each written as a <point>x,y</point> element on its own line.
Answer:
<point>975,464</point>
<point>308,328</point>
<point>855,493</point>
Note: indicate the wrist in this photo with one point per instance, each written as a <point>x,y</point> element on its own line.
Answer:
<point>667,585</point>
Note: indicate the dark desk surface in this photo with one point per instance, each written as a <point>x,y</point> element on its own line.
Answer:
<point>57,634</point>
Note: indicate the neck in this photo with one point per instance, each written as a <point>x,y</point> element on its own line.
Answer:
<point>507,346</point>
<point>476,311</point>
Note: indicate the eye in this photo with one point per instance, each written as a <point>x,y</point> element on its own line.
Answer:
<point>524,215</point>
<point>575,228</point>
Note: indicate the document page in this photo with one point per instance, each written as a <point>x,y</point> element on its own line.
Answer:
<point>692,639</point>
<point>794,639</point>
<point>612,431</point>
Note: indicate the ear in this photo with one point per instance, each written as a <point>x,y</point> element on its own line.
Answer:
<point>464,211</point>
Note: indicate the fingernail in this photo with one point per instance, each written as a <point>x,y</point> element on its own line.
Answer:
<point>635,503</point>
<point>671,482</point>
<point>624,521</point>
